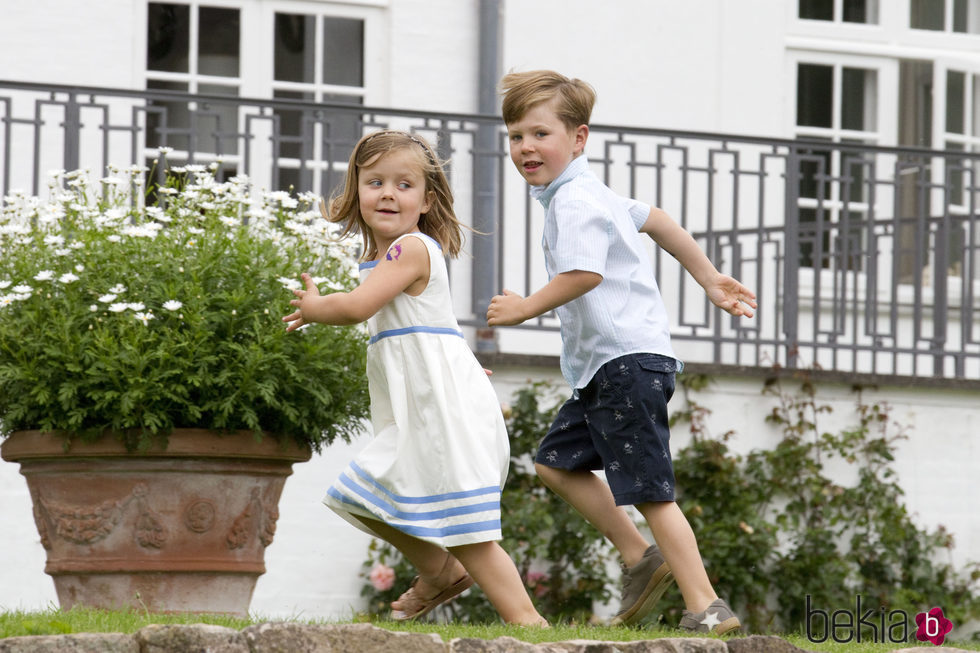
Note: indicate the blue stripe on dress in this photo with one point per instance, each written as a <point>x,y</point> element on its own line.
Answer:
<point>425,531</point>
<point>432,498</point>
<point>381,335</point>
<point>392,510</point>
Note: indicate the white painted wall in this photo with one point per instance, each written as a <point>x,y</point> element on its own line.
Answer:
<point>51,41</point>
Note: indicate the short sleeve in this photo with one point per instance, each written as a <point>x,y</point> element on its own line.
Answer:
<point>639,211</point>
<point>581,236</point>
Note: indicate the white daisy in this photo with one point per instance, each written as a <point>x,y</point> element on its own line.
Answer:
<point>68,277</point>
<point>107,298</point>
<point>172,305</point>
<point>144,317</point>
<point>44,275</point>
<point>118,307</point>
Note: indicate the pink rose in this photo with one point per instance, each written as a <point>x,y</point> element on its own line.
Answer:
<point>382,577</point>
<point>538,583</point>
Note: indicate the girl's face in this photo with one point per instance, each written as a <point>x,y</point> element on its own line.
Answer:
<point>391,195</point>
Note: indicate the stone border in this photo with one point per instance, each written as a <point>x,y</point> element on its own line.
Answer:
<point>287,637</point>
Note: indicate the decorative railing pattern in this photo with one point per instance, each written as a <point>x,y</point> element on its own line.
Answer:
<point>865,258</point>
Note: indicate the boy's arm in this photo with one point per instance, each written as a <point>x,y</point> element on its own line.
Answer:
<point>510,308</point>
<point>723,291</point>
<point>400,269</point>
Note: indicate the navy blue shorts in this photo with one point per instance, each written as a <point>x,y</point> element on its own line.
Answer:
<point>618,423</point>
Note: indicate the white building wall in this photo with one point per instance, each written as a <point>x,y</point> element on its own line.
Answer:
<point>52,41</point>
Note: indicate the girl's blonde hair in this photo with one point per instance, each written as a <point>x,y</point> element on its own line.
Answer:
<point>440,222</point>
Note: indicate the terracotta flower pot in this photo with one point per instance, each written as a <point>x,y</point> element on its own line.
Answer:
<point>176,530</point>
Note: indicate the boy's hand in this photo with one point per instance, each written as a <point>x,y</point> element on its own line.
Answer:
<point>505,310</point>
<point>296,319</point>
<point>730,295</point>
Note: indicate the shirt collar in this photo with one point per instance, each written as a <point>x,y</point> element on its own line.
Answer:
<point>544,194</point>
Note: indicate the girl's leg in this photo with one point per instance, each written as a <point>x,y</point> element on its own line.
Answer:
<point>497,576</point>
<point>591,497</point>
<point>680,549</point>
<point>437,567</point>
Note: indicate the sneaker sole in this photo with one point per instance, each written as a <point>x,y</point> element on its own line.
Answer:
<point>727,626</point>
<point>659,582</point>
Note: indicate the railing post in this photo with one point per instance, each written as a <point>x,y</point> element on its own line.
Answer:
<point>72,129</point>
<point>940,281</point>
<point>791,258</point>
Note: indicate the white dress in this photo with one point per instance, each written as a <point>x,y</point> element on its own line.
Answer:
<point>439,457</point>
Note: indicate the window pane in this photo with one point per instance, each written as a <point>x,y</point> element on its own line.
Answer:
<point>294,48</point>
<point>167,37</point>
<point>856,11</point>
<point>343,51</point>
<point>927,14</point>
<point>295,127</point>
<point>217,124</point>
<point>857,99</point>
<point>959,15</point>
<point>817,9</point>
<point>167,122</point>
<point>955,97</point>
<point>814,95</point>
<point>976,106</point>
<point>218,51</point>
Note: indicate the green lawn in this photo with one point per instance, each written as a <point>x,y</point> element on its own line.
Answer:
<point>55,621</point>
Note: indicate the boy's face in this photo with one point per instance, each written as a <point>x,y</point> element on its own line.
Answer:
<point>541,145</point>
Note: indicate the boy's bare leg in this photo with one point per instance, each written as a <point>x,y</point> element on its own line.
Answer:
<point>679,547</point>
<point>427,558</point>
<point>591,497</point>
<point>495,573</point>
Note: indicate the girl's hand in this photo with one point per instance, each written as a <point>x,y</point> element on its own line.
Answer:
<point>303,299</point>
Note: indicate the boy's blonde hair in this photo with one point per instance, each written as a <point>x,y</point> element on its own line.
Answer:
<point>440,222</point>
<point>522,91</point>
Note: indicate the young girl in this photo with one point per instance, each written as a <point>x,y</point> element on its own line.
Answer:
<point>429,482</point>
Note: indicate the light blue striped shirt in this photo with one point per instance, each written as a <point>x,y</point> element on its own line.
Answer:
<point>588,227</point>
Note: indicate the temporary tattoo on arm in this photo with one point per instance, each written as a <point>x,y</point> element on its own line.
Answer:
<point>397,250</point>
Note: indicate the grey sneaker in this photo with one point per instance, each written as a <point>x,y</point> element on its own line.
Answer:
<point>643,585</point>
<point>717,618</point>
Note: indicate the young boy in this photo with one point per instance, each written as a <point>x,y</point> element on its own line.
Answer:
<point>616,351</point>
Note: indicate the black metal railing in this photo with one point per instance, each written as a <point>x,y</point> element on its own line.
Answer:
<point>865,259</point>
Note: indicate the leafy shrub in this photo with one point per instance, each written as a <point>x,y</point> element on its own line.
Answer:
<point>138,310</point>
<point>774,527</point>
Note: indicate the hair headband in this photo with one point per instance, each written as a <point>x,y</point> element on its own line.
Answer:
<point>411,137</point>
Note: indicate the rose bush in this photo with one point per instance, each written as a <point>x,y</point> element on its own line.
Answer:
<point>135,307</point>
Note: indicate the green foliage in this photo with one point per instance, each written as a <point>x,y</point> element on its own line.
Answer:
<point>138,312</point>
<point>562,558</point>
<point>773,526</point>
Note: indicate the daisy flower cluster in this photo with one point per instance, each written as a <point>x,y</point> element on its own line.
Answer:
<point>47,247</point>
<point>147,299</point>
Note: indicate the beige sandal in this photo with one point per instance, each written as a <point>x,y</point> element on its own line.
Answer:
<point>415,606</point>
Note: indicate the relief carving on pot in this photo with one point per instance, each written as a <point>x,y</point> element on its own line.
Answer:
<point>90,524</point>
<point>199,516</point>
<point>256,518</point>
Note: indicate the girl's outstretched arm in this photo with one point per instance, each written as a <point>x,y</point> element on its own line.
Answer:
<point>405,267</point>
